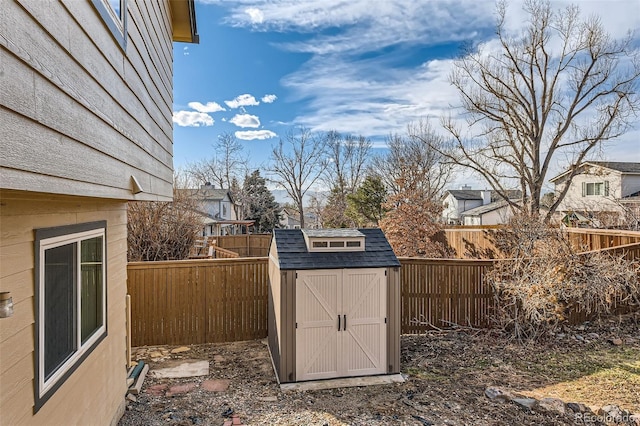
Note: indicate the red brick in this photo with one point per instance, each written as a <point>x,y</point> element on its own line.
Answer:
<point>180,389</point>
<point>236,421</point>
<point>227,423</point>
<point>216,385</point>
<point>157,390</point>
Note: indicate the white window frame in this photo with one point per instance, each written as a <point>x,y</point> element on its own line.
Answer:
<point>51,238</point>
<point>345,241</point>
<point>117,25</point>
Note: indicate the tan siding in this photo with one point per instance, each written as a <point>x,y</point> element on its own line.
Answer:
<point>64,71</point>
<point>393,320</point>
<point>105,368</point>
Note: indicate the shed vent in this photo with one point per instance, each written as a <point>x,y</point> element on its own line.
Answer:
<point>334,239</point>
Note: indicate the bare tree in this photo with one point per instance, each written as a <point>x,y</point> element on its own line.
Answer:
<point>414,161</point>
<point>297,163</point>
<point>555,92</point>
<point>344,173</point>
<point>228,162</point>
<point>163,230</point>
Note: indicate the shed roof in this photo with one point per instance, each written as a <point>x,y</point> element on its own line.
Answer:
<point>293,253</point>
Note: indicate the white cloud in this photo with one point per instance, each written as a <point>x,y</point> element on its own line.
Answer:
<point>242,100</point>
<point>192,119</point>
<point>245,120</point>
<point>249,135</point>
<point>268,99</point>
<point>209,107</point>
<point>255,15</point>
<point>358,79</point>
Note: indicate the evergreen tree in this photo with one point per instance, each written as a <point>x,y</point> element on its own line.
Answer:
<point>260,204</point>
<point>366,206</point>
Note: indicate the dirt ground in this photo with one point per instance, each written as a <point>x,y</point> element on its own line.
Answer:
<point>447,373</point>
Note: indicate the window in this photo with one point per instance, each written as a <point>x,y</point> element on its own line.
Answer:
<point>595,188</point>
<point>353,243</point>
<point>114,15</point>
<point>319,244</point>
<point>71,301</point>
<point>336,243</point>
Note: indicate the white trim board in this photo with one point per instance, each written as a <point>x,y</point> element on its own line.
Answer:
<point>347,382</point>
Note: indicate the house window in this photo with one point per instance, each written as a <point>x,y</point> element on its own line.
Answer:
<point>595,188</point>
<point>114,15</point>
<point>71,300</point>
<point>224,210</point>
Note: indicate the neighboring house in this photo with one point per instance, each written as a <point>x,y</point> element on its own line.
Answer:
<point>290,219</point>
<point>494,213</point>
<point>457,202</point>
<point>218,211</point>
<point>85,126</point>
<point>600,190</point>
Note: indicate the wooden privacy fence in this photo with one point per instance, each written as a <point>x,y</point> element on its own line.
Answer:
<point>198,301</point>
<point>442,292</point>
<point>249,245</point>
<point>222,300</point>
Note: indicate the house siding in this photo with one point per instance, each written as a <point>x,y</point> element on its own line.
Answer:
<point>574,201</point>
<point>81,116</point>
<point>96,390</point>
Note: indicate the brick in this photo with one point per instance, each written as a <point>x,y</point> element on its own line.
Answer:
<point>180,389</point>
<point>220,385</point>
<point>157,390</point>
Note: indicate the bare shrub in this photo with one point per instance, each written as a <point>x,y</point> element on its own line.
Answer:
<point>162,230</point>
<point>546,279</point>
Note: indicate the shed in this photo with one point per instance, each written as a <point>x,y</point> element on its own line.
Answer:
<point>334,304</point>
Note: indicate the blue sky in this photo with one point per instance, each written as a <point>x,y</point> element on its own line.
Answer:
<point>365,67</point>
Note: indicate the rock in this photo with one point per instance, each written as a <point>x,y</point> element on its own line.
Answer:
<point>577,407</point>
<point>634,419</point>
<point>593,336</point>
<point>493,393</point>
<point>156,354</point>
<point>560,336</point>
<point>218,358</point>
<point>529,403</point>
<point>268,398</point>
<point>180,350</point>
<point>182,368</point>
<point>580,327</point>
<point>552,404</point>
<point>579,338</point>
<point>617,341</point>
<point>131,397</point>
<point>613,412</point>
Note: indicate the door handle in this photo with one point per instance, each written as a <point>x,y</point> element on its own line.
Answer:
<point>345,322</point>
<point>338,322</point>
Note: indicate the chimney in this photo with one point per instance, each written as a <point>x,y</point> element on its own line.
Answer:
<point>486,196</point>
<point>465,187</point>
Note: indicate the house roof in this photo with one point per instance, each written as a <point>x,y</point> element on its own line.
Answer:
<point>293,253</point>
<point>479,211</point>
<point>465,194</point>
<point>618,166</point>
<point>476,194</point>
<point>207,193</point>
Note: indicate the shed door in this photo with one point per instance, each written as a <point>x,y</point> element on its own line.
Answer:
<point>324,298</point>
<point>364,302</point>
<point>317,294</point>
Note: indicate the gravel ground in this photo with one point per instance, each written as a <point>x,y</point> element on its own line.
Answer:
<point>447,374</point>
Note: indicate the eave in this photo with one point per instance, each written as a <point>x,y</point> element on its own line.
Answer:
<point>183,21</point>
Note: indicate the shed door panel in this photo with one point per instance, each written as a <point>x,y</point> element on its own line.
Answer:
<point>364,304</point>
<point>317,298</point>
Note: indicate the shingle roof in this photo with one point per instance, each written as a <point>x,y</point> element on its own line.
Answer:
<point>477,211</point>
<point>620,166</point>
<point>207,193</point>
<point>465,194</point>
<point>476,194</point>
<point>293,254</point>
